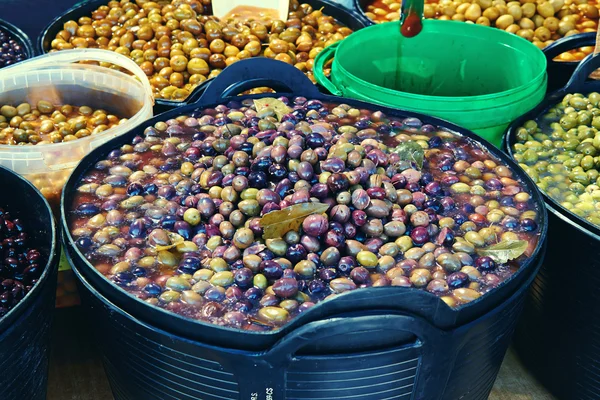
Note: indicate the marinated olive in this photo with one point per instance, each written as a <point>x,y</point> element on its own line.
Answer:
<point>45,123</point>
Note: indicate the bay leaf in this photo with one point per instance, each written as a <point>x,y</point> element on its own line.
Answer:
<point>410,151</point>
<point>277,105</point>
<point>277,223</point>
<point>175,240</point>
<point>504,251</point>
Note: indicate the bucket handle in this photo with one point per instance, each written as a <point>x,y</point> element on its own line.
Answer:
<point>77,55</point>
<point>431,365</point>
<point>325,55</point>
<point>588,65</point>
<point>569,43</point>
<point>256,72</point>
<point>196,94</point>
<point>332,327</point>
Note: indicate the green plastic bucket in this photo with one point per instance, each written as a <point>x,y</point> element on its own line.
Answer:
<point>478,77</point>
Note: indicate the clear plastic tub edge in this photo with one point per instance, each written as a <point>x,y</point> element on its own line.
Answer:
<point>55,78</point>
<point>397,343</point>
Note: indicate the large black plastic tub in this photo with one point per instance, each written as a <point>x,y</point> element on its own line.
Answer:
<point>375,344</point>
<point>353,20</point>
<point>25,330</point>
<point>558,337</point>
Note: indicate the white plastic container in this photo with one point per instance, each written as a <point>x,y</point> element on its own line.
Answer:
<point>56,78</point>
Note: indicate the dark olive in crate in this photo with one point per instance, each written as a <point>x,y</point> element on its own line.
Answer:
<point>397,341</point>
<point>15,45</point>
<point>28,269</point>
<point>557,337</point>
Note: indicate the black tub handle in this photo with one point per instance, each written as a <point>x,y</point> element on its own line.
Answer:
<point>257,72</point>
<point>581,74</point>
<point>194,96</point>
<point>403,300</point>
<point>569,43</point>
<point>337,327</point>
<point>265,377</point>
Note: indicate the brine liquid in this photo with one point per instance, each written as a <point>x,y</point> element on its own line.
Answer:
<point>252,13</point>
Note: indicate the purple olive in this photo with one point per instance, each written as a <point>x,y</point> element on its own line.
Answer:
<point>334,238</point>
<point>485,263</point>
<point>88,209</point>
<point>360,275</point>
<point>457,280</point>
<point>346,265</point>
<point>271,269</point>
<point>315,225</point>
<point>285,287</point>
<point>296,253</point>
<point>243,277</point>
<point>338,183</point>
<point>419,235</point>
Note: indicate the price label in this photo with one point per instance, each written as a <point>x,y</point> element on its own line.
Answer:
<point>271,387</point>
<point>268,394</point>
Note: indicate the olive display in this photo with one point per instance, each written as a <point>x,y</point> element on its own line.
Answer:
<point>20,264</point>
<point>539,21</point>
<point>247,214</point>
<point>11,51</point>
<point>45,123</point>
<point>561,153</point>
<point>179,44</point>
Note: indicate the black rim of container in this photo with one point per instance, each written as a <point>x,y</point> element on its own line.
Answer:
<point>20,36</point>
<point>52,256</point>
<point>569,43</point>
<point>350,18</point>
<point>552,205</point>
<point>510,138</point>
<point>134,306</point>
<point>360,7</point>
